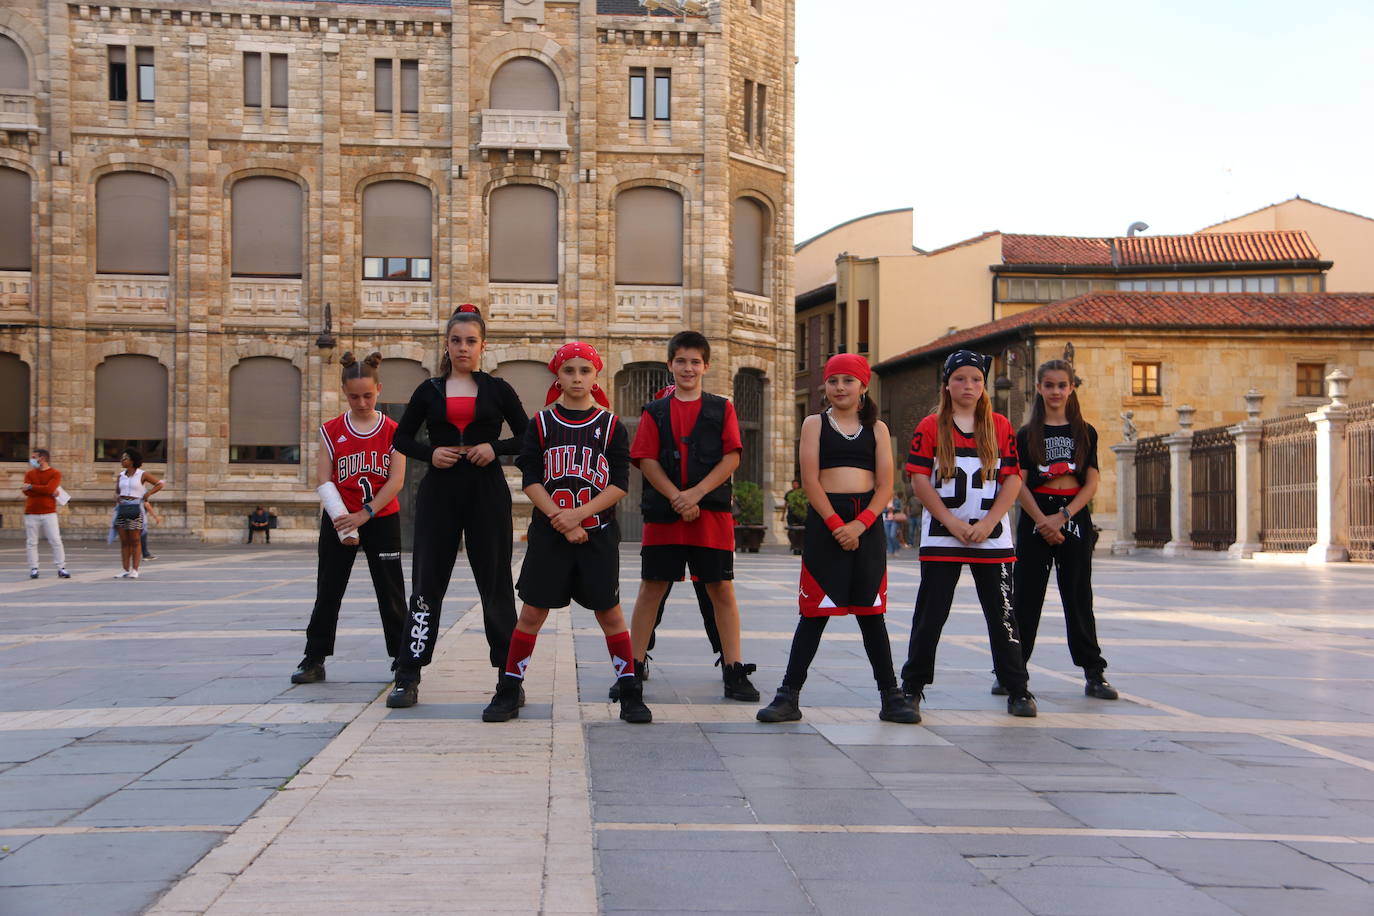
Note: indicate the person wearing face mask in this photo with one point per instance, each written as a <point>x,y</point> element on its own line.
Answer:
<point>41,483</point>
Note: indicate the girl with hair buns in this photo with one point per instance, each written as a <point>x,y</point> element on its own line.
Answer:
<point>464,494</point>
<point>359,474</point>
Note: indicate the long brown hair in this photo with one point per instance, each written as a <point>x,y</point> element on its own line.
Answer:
<point>465,312</point>
<point>984,434</point>
<point>1073,412</point>
<point>367,368</point>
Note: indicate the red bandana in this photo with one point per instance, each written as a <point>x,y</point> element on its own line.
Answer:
<point>574,350</point>
<point>849,364</point>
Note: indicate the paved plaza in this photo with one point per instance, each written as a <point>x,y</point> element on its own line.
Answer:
<point>154,756</point>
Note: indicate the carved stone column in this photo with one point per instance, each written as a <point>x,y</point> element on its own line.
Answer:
<point>1181,485</point>
<point>1248,481</point>
<point>1333,532</point>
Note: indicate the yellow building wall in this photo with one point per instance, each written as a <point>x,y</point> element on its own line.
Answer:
<point>866,237</point>
<point>1344,238</point>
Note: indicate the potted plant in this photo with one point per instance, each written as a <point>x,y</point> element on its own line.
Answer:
<point>748,516</point>
<point>796,508</point>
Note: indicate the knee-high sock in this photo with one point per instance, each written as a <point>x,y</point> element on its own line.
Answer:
<point>622,654</point>
<point>521,648</point>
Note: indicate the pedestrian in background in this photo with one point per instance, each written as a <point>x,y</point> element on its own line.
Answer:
<point>132,487</point>
<point>260,520</point>
<point>41,483</point>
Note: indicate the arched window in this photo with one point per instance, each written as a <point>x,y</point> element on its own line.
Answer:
<point>14,408</point>
<point>530,379</point>
<point>648,237</point>
<point>635,386</point>
<point>400,378</point>
<point>131,407</point>
<point>14,65</point>
<point>748,231</point>
<point>523,228</point>
<point>16,245</point>
<point>267,228</point>
<point>525,84</point>
<point>397,234</point>
<point>748,400</point>
<point>264,412</point>
<point>133,218</point>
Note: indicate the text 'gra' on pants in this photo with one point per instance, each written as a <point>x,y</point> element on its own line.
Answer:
<point>380,540</point>
<point>994,584</point>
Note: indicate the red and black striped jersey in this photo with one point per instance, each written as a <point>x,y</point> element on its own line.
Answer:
<point>575,455</point>
<point>361,460</point>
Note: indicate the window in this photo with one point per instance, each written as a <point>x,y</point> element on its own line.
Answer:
<point>280,87</point>
<point>264,412</point>
<point>266,229</point>
<point>861,346</point>
<point>1311,380</point>
<point>637,93</point>
<point>524,84</point>
<point>827,338</point>
<point>663,95</point>
<point>801,345</point>
<point>132,223</point>
<point>16,246</point>
<point>381,82</point>
<point>252,79</point>
<point>843,321</point>
<point>14,65</point>
<point>396,231</point>
<point>749,112</point>
<point>648,237</point>
<point>14,408</point>
<point>410,86</point>
<point>1145,379</point>
<point>748,401</point>
<point>748,232</point>
<point>131,407</point>
<point>760,114</point>
<point>119,74</point>
<point>523,231</point>
<point>146,81</point>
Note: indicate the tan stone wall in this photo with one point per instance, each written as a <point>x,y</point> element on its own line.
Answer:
<point>201,138</point>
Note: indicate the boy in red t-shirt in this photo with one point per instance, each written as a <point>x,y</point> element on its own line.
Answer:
<point>687,446</point>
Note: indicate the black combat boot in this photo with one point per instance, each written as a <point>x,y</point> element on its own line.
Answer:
<point>505,705</point>
<point>784,707</point>
<point>737,686</point>
<point>897,708</point>
<point>310,670</point>
<point>632,708</point>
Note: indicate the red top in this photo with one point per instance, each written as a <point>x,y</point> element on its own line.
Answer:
<point>460,411</point>
<point>362,460</point>
<point>714,529</point>
<point>41,498</point>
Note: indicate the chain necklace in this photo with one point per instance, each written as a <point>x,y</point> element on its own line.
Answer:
<point>836,427</point>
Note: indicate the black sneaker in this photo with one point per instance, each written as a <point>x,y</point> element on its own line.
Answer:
<point>310,670</point>
<point>737,686</point>
<point>406,693</point>
<point>63,574</point>
<point>1098,687</point>
<point>997,689</point>
<point>505,705</point>
<point>632,708</point>
<point>784,707</point>
<point>614,692</point>
<point>1023,706</point>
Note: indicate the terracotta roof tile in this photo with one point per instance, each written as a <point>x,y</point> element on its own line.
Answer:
<point>1152,250</point>
<point>1295,311</point>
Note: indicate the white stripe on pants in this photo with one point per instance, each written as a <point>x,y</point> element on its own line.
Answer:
<point>45,524</point>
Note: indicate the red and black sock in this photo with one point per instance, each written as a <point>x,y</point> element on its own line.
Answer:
<point>622,654</point>
<point>521,648</point>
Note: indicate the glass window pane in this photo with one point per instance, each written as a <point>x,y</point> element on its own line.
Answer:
<point>145,82</point>
<point>1250,284</point>
<point>372,268</point>
<point>663,94</point>
<point>1156,286</point>
<point>410,86</point>
<point>1187,286</point>
<point>1268,285</point>
<point>398,268</point>
<point>1235,284</point>
<point>637,94</point>
<point>280,86</point>
<point>419,268</point>
<point>382,86</point>
<point>252,79</point>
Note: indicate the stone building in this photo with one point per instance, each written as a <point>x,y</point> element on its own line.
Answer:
<point>202,205</point>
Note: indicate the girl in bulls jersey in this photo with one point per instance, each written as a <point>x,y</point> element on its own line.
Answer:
<point>575,466</point>
<point>963,468</point>
<point>846,467</point>
<point>1058,452</point>
<point>464,493</point>
<point>358,459</point>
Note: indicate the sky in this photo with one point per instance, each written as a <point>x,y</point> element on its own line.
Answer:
<point>1069,117</point>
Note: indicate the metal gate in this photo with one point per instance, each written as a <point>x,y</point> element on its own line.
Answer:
<point>1359,438</point>
<point>635,385</point>
<point>749,412</point>
<point>1288,489</point>
<point>1213,459</point>
<point>1152,526</point>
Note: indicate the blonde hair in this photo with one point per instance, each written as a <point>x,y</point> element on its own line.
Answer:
<point>984,434</point>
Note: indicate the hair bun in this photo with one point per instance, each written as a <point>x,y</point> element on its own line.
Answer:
<point>469,308</point>
<point>374,359</point>
<point>348,359</point>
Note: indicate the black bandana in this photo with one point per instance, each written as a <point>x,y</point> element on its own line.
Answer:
<point>961,358</point>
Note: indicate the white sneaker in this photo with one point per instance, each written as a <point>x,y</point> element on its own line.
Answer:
<point>122,575</point>
<point>133,574</point>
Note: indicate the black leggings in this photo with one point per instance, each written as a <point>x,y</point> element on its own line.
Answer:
<point>807,640</point>
<point>462,503</point>
<point>380,540</point>
<point>1073,568</point>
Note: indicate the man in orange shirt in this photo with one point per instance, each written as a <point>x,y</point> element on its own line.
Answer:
<point>41,483</point>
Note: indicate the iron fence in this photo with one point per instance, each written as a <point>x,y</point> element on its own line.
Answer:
<point>635,386</point>
<point>1152,527</point>
<point>1359,439</point>
<point>1213,475</point>
<point>1288,492</point>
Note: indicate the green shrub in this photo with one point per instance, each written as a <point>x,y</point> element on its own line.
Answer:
<point>749,499</point>
<point>797,503</point>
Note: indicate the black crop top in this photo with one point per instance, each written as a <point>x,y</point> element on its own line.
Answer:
<point>837,451</point>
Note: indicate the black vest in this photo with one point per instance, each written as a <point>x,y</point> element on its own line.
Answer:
<point>703,449</point>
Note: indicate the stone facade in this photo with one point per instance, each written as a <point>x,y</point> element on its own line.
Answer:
<point>200,321</point>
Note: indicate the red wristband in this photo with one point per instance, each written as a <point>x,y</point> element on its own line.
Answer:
<point>834,522</point>
<point>867,517</point>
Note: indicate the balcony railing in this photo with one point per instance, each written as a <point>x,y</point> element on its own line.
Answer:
<point>510,130</point>
<point>265,297</point>
<point>16,290</point>
<point>648,304</point>
<point>392,299</point>
<point>16,109</point>
<point>528,302</point>
<point>131,294</point>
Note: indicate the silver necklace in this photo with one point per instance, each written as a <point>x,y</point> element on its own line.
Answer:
<point>836,427</point>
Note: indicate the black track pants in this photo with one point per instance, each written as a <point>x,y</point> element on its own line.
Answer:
<point>380,540</point>
<point>933,600</point>
<point>1073,569</point>
<point>470,504</point>
<point>807,640</point>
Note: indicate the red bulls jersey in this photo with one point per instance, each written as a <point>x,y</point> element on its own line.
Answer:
<point>361,459</point>
<point>967,494</point>
<point>575,454</point>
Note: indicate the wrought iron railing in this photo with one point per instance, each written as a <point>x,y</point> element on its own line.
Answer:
<point>1213,476</point>
<point>1288,492</point>
<point>1359,440</point>
<point>1152,527</point>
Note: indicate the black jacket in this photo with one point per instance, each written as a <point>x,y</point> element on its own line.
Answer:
<point>703,449</point>
<point>496,401</point>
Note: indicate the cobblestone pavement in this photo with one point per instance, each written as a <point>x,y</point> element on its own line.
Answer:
<point>154,756</point>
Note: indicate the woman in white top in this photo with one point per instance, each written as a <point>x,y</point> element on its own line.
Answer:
<point>132,487</point>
